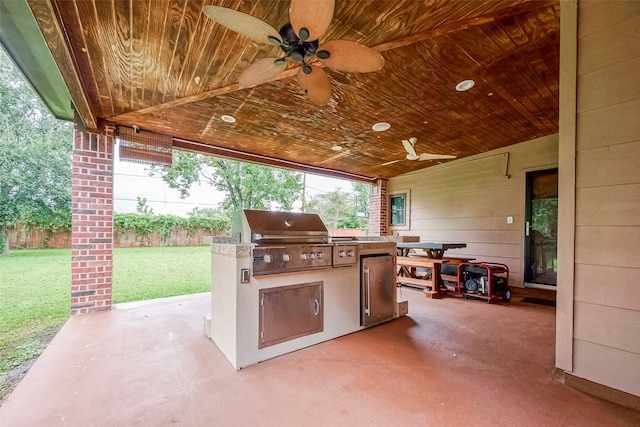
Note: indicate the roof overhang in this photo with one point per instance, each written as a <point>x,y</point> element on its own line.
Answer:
<point>21,38</point>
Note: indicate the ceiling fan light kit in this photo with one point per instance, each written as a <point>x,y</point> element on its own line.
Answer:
<point>299,41</point>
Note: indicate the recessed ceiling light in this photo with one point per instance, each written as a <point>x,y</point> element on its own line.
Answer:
<point>227,118</point>
<point>336,148</point>
<point>381,127</point>
<point>465,85</point>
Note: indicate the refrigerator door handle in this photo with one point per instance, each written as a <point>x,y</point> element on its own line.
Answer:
<point>367,309</point>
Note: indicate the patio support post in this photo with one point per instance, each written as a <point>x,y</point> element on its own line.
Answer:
<point>91,222</point>
<point>379,208</point>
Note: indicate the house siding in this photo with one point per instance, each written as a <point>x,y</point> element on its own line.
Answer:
<point>606,339</point>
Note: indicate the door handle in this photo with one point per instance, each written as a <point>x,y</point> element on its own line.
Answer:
<point>527,228</point>
<point>316,307</point>
<point>368,291</point>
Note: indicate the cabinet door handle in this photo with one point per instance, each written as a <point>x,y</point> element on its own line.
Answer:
<point>367,309</point>
<point>316,307</point>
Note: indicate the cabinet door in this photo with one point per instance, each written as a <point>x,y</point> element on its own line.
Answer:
<point>289,312</point>
<point>378,281</point>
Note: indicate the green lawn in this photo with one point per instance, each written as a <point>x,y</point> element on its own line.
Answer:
<point>148,273</point>
<point>35,287</point>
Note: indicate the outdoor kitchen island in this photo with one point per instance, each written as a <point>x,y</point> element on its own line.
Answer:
<point>257,314</point>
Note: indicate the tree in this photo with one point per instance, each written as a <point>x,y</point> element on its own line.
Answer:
<point>339,209</point>
<point>35,158</point>
<point>245,185</point>
<point>143,208</point>
<point>361,203</point>
<point>206,212</point>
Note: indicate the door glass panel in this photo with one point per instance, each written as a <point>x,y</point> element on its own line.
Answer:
<point>544,228</point>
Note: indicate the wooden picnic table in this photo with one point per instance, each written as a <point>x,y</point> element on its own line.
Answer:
<point>432,259</point>
<point>432,249</point>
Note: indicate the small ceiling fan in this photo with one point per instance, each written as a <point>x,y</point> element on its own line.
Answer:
<point>409,146</point>
<point>299,43</point>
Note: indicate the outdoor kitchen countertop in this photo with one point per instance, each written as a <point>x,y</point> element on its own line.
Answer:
<point>235,249</point>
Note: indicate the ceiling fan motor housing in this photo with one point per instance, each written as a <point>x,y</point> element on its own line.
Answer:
<point>293,47</point>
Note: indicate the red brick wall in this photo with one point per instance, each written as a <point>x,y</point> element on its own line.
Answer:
<point>379,209</point>
<point>178,237</point>
<point>92,222</point>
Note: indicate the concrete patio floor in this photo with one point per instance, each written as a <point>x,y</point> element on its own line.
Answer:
<point>449,362</point>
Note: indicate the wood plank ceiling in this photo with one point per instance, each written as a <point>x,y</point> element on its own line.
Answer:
<point>167,68</point>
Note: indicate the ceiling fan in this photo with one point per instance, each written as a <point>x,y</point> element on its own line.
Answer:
<point>409,146</point>
<point>299,43</point>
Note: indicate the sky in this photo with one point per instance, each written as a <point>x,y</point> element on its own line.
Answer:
<point>132,180</point>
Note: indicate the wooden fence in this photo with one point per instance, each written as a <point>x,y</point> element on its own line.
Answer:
<point>34,237</point>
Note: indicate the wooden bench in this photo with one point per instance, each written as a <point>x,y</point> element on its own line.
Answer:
<point>454,260</point>
<point>449,260</point>
<point>457,259</point>
<point>407,273</point>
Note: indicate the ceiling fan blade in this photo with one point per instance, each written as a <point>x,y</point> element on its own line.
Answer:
<point>242,23</point>
<point>314,16</point>
<point>411,151</point>
<point>315,84</point>
<point>428,156</point>
<point>350,57</point>
<point>390,163</point>
<point>261,71</point>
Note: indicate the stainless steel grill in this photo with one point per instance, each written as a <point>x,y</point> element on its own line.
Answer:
<point>289,241</point>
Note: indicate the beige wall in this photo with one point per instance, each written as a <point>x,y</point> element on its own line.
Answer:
<point>606,334</point>
<point>468,200</point>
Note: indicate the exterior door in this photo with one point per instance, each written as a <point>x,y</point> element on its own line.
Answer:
<point>541,228</point>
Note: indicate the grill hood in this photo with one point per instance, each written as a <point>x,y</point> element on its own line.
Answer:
<point>273,227</point>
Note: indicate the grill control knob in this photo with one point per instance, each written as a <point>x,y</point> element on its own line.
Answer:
<point>312,255</point>
<point>286,257</point>
<point>351,253</point>
<point>320,255</point>
<point>303,255</point>
<point>342,254</point>
<point>268,258</point>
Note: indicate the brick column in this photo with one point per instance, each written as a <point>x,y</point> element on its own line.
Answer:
<point>92,222</point>
<point>379,209</point>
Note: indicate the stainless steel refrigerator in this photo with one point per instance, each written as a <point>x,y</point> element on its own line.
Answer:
<point>377,289</point>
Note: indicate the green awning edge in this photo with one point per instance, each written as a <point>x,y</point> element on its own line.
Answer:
<point>21,38</point>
